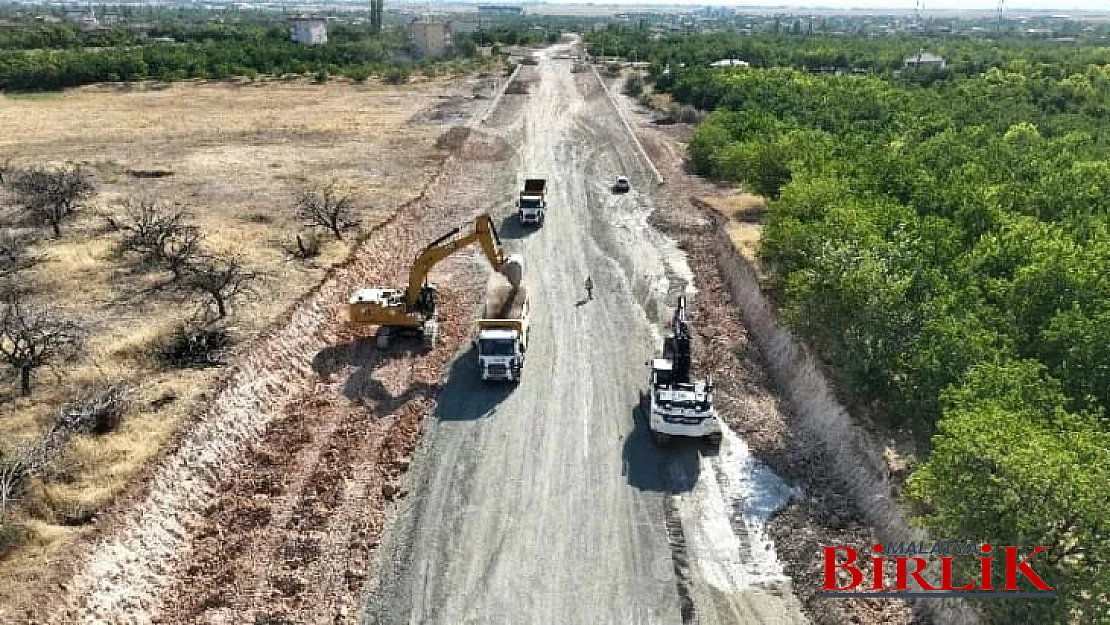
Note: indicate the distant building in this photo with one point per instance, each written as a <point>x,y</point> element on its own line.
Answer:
<point>924,60</point>
<point>430,38</point>
<point>83,18</point>
<point>309,30</point>
<point>463,28</point>
<point>729,63</point>
<point>499,9</point>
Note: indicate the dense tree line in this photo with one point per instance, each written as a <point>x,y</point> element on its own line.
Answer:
<point>945,246</point>
<point>203,51</point>
<point>966,56</point>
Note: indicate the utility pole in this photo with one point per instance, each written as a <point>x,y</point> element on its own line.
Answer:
<point>376,15</point>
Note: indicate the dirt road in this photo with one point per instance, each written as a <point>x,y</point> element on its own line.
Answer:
<point>547,503</point>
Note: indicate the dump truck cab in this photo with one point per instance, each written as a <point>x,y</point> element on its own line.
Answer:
<point>501,354</point>
<point>532,203</point>
<point>502,338</point>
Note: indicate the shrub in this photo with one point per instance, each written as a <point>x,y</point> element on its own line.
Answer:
<point>358,73</point>
<point>397,75</point>
<point>96,410</point>
<point>687,114</point>
<point>634,86</point>
<point>13,537</point>
<point>308,245</point>
<point>194,347</point>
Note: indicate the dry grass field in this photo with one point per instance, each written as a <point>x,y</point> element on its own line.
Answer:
<point>743,211</point>
<point>237,153</point>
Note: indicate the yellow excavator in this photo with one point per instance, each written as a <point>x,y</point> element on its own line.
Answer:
<point>413,310</point>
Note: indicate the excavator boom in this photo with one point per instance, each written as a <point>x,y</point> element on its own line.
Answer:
<point>484,233</point>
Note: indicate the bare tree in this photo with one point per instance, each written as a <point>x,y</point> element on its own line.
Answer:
<point>180,251</point>
<point>159,234</point>
<point>33,336</point>
<point>50,197</point>
<point>326,206</point>
<point>145,224</point>
<point>222,279</point>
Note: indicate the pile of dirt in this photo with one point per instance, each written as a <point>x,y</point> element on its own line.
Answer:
<point>453,139</point>
<point>484,147</point>
<point>454,110</point>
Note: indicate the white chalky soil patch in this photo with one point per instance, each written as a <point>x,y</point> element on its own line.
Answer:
<point>725,519</point>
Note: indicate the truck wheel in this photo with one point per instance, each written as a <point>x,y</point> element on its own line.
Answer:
<point>661,439</point>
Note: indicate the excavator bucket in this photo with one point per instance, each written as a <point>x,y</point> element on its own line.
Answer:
<point>513,269</point>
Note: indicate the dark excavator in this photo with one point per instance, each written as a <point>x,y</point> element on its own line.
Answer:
<point>680,405</point>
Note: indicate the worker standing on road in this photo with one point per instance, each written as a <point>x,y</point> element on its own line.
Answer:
<point>589,289</point>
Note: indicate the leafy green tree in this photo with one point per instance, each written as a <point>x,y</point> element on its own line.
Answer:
<point>1001,473</point>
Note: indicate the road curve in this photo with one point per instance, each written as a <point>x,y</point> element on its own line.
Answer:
<point>546,502</point>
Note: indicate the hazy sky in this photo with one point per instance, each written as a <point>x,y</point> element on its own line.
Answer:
<point>1012,6</point>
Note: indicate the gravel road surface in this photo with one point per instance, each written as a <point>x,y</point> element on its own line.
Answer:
<point>546,502</point>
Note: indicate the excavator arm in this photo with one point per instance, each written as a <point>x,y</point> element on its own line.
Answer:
<point>484,233</point>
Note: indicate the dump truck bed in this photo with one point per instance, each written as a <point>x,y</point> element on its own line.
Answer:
<point>534,186</point>
<point>505,302</point>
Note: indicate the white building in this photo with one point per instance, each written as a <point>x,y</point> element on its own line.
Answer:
<point>309,30</point>
<point>729,63</point>
<point>924,60</point>
<point>431,38</point>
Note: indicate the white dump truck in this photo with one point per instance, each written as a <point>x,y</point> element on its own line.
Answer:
<point>532,203</point>
<point>503,334</point>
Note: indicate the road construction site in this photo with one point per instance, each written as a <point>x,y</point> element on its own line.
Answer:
<point>331,481</point>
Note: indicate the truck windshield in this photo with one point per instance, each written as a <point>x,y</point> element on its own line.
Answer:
<point>529,202</point>
<point>497,347</point>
